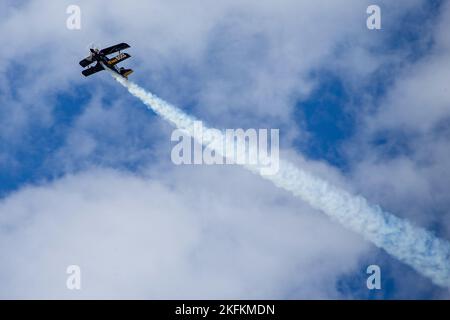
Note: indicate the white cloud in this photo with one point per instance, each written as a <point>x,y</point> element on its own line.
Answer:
<point>190,233</point>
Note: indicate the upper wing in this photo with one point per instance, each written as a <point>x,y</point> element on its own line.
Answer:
<point>115,48</point>
<point>86,61</point>
<point>98,67</point>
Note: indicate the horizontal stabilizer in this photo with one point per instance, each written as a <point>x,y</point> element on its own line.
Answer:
<point>126,72</point>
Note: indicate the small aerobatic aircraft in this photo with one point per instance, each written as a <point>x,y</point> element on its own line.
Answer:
<point>100,56</point>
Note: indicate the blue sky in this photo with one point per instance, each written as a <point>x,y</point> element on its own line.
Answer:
<point>82,155</point>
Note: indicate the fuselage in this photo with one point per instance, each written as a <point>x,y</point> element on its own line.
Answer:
<point>103,59</point>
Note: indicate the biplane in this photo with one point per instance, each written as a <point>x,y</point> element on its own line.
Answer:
<point>102,60</point>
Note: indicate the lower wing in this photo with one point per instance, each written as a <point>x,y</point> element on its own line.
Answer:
<point>98,67</point>
<point>86,61</point>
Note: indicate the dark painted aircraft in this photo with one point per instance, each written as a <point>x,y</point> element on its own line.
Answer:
<point>101,57</point>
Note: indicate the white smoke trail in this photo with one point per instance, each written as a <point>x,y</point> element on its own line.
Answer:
<point>414,246</point>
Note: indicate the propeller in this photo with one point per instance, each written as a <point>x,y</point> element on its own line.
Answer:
<point>93,46</point>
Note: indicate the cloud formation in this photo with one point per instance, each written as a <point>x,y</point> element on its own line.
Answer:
<point>163,237</point>
<point>261,55</point>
